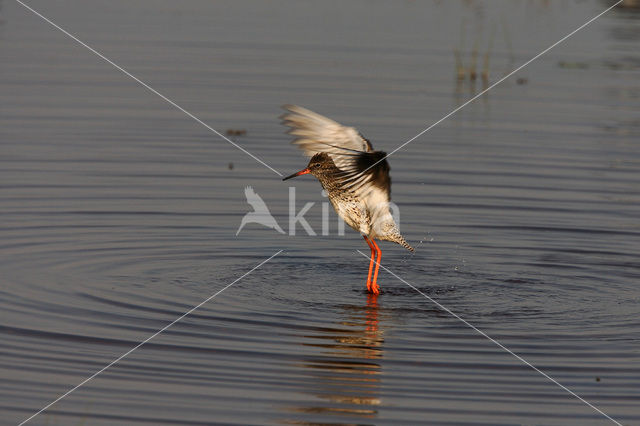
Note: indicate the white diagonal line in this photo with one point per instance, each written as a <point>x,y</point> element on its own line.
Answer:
<point>146,86</point>
<point>494,84</point>
<point>500,345</point>
<point>148,338</point>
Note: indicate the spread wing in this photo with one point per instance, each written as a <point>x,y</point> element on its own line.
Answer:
<point>361,169</point>
<point>316,133</point>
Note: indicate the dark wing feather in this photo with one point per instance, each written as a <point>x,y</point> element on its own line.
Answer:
<point>366,173</point>
<point>376,166</point>
<point>361,169</point>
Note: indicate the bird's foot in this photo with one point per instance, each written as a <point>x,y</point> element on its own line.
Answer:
<point>373,288</point>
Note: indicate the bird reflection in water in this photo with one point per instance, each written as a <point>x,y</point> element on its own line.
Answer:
<point>346,377</point>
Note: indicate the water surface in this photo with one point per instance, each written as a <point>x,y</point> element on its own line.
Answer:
<point>119,214</point>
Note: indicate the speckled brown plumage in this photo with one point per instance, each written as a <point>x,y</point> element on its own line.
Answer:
<point>355,177</point>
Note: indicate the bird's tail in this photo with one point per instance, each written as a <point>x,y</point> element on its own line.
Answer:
<point>397,238</point>
<point>390,232</point>
<point>405,244</point>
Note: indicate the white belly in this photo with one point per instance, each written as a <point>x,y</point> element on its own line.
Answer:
<point>354,213</point>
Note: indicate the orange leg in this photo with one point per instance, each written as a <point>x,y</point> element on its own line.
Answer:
<point>370,262</point>
<point>374,284</point>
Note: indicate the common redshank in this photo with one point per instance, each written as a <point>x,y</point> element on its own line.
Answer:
<point>355,177</point>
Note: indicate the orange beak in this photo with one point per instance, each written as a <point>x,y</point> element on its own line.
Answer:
<point>301,172</point>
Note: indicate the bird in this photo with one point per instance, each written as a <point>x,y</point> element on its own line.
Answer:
<point>260,213</point>
<point>355,177</point>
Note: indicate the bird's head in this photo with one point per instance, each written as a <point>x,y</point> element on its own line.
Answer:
<point>318,162</point>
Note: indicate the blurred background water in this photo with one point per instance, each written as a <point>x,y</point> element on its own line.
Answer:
<point>119,213</point>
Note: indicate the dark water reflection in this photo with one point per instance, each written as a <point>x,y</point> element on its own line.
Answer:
<point>346,375</point>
